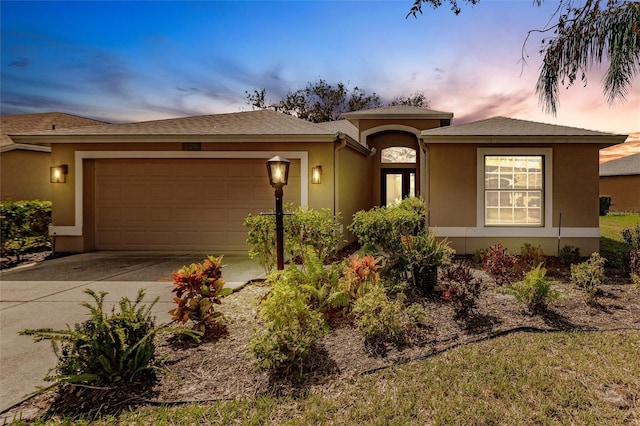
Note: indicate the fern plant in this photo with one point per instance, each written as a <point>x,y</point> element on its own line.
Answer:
<point>106,348</point>
<point>535,290</point>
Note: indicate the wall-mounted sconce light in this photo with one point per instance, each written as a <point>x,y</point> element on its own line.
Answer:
<point>316,174</point>
<point>58,174</point>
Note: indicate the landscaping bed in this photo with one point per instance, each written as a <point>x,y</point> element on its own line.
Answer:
<point>222,368</point>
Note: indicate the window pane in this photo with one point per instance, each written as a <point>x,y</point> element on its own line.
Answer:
<point>513,189</point>
<point>398,154</point>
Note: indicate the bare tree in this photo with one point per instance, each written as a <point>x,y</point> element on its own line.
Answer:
<point>321,101</point>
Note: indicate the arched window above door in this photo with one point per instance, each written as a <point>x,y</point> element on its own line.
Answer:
<point>398,154</point>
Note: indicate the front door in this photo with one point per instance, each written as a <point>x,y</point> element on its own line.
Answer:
<point>397,184</point>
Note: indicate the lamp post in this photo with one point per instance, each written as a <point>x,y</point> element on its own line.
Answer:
<point>278,170</point>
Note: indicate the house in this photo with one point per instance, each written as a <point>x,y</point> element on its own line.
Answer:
<point>188,183</point>
<point>515,181</point>
<point>620,179</point>
<point>24,168</point>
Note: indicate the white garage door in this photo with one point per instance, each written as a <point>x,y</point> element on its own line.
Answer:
<point>182,204</point>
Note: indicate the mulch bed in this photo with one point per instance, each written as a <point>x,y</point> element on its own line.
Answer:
<point>221,368</point>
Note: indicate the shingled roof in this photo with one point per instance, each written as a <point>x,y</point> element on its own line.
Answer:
<point>260,122</point>
<point>503,126</point>
<point>624,166</point>
<point>21,123</point>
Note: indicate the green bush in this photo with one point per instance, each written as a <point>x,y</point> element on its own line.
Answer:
<point>569,255</point>
<point>588,276</point>
<point>290,325</point>
<point>532,255</point>
<point>398,234</point>
<point>381,319</point>
<point>605,204</point>
<point>634,267</point>
<point>304,228</point>
<point>24,226</point>
<point>106,348</point>
<point>535,290</point>
<point>631,236</point>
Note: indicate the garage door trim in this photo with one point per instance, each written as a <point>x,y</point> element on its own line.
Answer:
<point>76,230</point>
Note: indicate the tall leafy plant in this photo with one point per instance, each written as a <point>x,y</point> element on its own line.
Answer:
<point>107,348</point>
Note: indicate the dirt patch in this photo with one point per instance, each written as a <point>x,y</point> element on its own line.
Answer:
<point>223,369</point>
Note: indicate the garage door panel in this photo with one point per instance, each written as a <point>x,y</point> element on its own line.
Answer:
<point>170,204</point>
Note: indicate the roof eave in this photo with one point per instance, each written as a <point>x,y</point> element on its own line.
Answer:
<point>25,147</point>
<point>170,138</point>
<point>602,140</point>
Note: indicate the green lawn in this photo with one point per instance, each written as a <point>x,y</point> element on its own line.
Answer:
<point>612,246</point>
<point>612,226</point>
<point>524,378</point>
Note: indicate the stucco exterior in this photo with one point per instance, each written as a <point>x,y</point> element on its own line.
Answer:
<point>24,175</point>
<point>449,166</point>
<point>624,192</point>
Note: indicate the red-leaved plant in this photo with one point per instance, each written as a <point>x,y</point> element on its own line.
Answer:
<point>503,266</point>
<point>198,288</point>
<point>460,288</point>
<point>360,275</point>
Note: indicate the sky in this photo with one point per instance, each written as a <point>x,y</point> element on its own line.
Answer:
<point>145,60</point>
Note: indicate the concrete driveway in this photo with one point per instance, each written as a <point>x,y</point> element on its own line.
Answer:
<point>48,294</point>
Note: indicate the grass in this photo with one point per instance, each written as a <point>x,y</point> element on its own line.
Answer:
<point>612,246</point>
<point>524,378</point>
<point>612,225</point>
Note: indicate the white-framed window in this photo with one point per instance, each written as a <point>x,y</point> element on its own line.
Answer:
<point>514,186</point>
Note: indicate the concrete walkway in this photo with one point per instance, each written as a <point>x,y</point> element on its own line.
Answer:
<point>48,294</point>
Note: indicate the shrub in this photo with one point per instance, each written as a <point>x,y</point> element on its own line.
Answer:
<point>569,255</point>
<point>106,348</point>
<point>304,228</point>
<point>605,203</point>
<point>631,236</point>
<point>634,267</point>
<point>380,319</point>
<point>24,226</point>
<point>502,265</point>
<point>198,288</point>
<point>460,288</point>
<point>290,328</point>
<point>423,255</point>
<point>534,289</point>
<point>589,275</point>
<point>398,234</point>
<point>531,255</point>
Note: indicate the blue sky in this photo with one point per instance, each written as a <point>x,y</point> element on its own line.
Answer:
<point>134,61</point>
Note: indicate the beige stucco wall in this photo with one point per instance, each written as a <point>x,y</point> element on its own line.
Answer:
<point>420,124</point>
<point>452,194</point>
<point>63,195</point>
<point>451,184</point>
<point>575,185</point>
<point>353,181</point>
<point>24,175</point>
<point>624,192</point>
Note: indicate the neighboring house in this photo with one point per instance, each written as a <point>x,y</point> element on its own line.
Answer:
<point>620,179</point>
<point>188,183</point>
<point>24,168</point>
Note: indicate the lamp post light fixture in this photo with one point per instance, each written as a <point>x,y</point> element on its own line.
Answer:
<point>278,170</point>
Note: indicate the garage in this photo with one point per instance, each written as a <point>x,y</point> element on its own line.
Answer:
<point>182,204</point>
